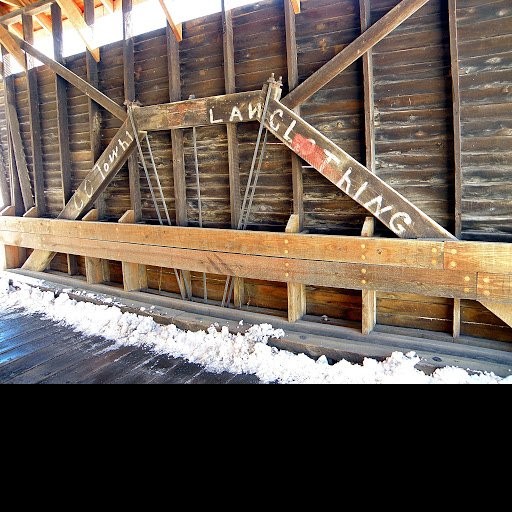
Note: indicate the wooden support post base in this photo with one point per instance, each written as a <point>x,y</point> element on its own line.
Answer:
<point>135,277</point>
<point>297,304</point>
<point>97,271</point>
<point>10,256</point>
<point>369,296</point>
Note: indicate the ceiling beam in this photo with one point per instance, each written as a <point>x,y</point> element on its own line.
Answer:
<point>16,29</point>
<point>13,3</point>
<point>75,16</point>
<point>177,29</point>
<point>33,8</point>
<point>45,21</point>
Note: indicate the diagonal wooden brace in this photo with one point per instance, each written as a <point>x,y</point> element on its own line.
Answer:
<point>353,178</point>
<point>102,174</point>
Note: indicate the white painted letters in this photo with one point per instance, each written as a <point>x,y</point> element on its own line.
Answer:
<point>124,145</point>
<point>289,131</point>
<point>113,156</point>
<point>236,114</point>
<point>378,202</point>
<point>253,111</point>
<point>345,180</point>
<point>78,205</point>
<point>88,189</point>
<point>362,188</point>
<point>399,229</point>
<point>279,113</point>
<point>213,120</point>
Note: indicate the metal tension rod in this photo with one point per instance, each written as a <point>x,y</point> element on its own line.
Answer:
<point>184,293</point>
<point>200,208</point>
<point>252,183</point>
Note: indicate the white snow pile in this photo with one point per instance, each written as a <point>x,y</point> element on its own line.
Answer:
<point>217,350</point>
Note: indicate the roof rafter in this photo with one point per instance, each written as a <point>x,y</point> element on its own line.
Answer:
<point>10,44</point>
<point>75,16</point>
<point>177,29</point>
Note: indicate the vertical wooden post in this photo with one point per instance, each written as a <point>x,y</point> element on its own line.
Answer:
<point>62,120</point>
<point>369,95</point>
<point>10,256</point>
<point>22,175</point>
<point>135,276</point>
<point>94,108</point>
<point>129,93</point>
<point>293,81</point>
<point>457,140</point>
<point>15,199</point>
<point>233,148</point>
<point>5,195</point>
<point>457,318</point>
<point>178,149</point>
<point>369,296</point>
<point>297,303</point>
<point>34,119</point>
<point>96,270</point>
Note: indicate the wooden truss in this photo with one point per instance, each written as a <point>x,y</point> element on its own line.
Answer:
<point>445,268</point>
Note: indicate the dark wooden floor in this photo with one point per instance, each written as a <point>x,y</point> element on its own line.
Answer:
<point>34,350</point>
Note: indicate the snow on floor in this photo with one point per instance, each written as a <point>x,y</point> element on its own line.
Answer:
<point>217,350</point>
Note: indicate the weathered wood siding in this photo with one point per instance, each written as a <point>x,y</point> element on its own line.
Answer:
<point>414,135</point>
<point>324,28</point>
<point>485,52</point>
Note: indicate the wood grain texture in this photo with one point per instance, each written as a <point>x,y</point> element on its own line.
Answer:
<point>297,298</point>
<point>369,297</point>
<point>34,120</point>
<point>96,270</point>
<point>98,179</point>
<point>135,276</point>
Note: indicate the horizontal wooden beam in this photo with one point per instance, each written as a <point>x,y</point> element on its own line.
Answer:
<point>427,254</point>
<point>366,41</point>
<point>34,8</point>
<point>231,108</point>
<point>356,276</point>
<point>388,265</point>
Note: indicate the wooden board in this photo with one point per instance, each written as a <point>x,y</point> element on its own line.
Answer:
<point>99,178</point>
<point>428,282</point>
<point>231,108</point>
<point>381,200</point>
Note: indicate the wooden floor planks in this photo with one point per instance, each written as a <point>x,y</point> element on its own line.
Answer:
<point>34,350</point>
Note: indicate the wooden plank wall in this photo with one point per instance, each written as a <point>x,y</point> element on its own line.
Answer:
<point>485,57</point>
<point>414,148</point>
<point>485,54</point>
<point>324,28</point>
<point>414,136</point>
